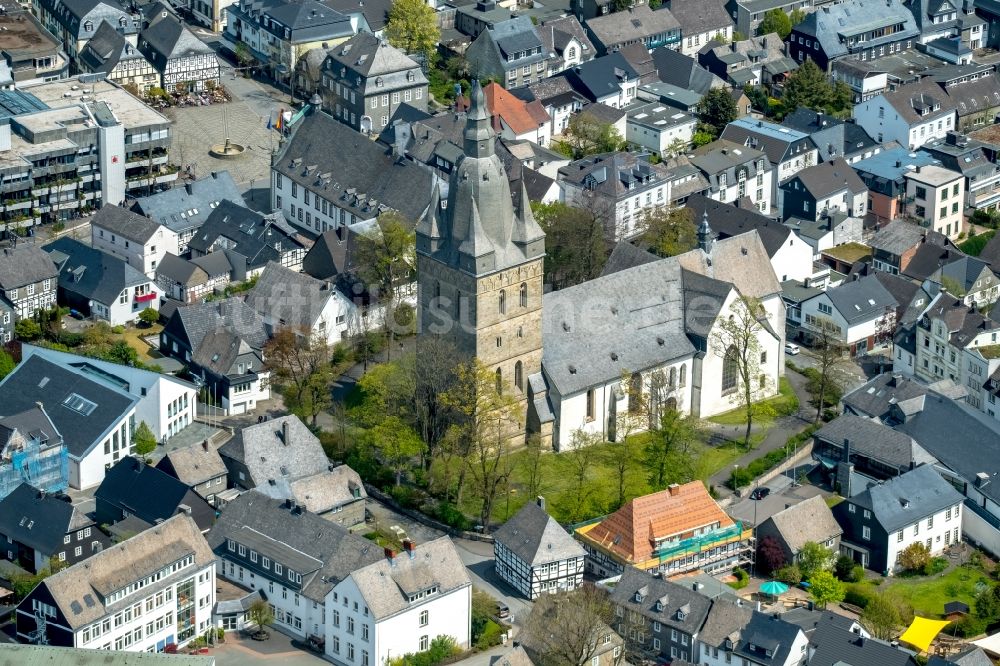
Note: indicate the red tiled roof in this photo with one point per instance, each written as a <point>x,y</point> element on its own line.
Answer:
<point>518,115</point>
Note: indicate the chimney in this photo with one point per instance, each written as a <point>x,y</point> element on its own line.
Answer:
<point>39,405</point>
<point>982,478</point>
<point>285,437</point>
<point>389,553</point>
<point>204,445</point>
<point>410,546</point>
<point>289,503</point>
<point>918,168</point>
<point>673,489</point>
<point>188,188</point>
<point>847,450</point>
<point>184,508</point>
<point>541,502</point>
<point>898,164</point>
<point>215,174</point>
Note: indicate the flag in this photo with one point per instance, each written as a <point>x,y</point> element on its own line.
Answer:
<point>270,125</point>
<point>281,120</point>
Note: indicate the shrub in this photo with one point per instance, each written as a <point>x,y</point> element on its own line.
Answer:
<point>742,579</point>
<point>859,594</point>
<point>935,566</point>
<point>970,626</point>
<point>407,497</point>
<point>914,557</point>
<point>450,515</point>
<point>789,574</point>
<point>490,635</point>
<point>843,568</point>
<point>857,573</point>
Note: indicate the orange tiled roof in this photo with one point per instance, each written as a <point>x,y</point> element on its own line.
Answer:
<point>517,114</point>
<point>630,531</point>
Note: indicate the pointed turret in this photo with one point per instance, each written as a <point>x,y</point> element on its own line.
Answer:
<point>477,248</point>
<point>705,234</point>
<point>479,135</point>
<point>527,233</point>
<point>429,232</point>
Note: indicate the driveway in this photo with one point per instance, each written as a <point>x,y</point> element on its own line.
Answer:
<point>783,495</point>
<point>279,648</point>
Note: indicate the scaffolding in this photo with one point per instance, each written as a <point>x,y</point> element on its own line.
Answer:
<point>44,467</point>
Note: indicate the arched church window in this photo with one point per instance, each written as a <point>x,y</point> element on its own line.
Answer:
<point>524,294</point>
<point>502,301</point>
<point>519,376</point>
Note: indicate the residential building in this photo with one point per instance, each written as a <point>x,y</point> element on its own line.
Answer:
<point>293,557</point>
<point>637,24</point>
<point>884,175</point>
<point>181,60</point>
<point>183,210</point>
<point>249,240</point>
<point>735,171</point>
<point>684,72</point>
<point>109,53</point>
<point>28,281</point>
<point>568,41</point>
<point>859,313</point>
<point>658,617</point>
<point>475,18</point>
<point>674,531</point>
<point>911,115</point>
<point>310,307</point>
<point>32,451</point>
<point>609,80</point>
<point>71,145</point>
<point>700,23</point>
<point>662,129</point>
<point>511,53</point>
<point>99,285</point>
<point>603,645</point>
<point>834,137</point>
<point>279,449</point>
<point>938,199</point>
<point>32,54</point>
<point>166,404</point>
<point>365,80</point>
<point>868,446</point>
<point>853,28</point>
<point>865,78</point>
<point>95,438</point>
<point>199,467</point>
<point>210,14</point>
<point>279,32</point>
<point>686,181</point>
<point>830,644</point>
<point>972,89</point>
<point>883,520</point>
<point>747,14</point>
<point>755,638</point>
<point>514,118</point>
<point>75,25</point>
<point>970,279</point>
<point>755,61</point>
<point>153,590</point>
<point>827,231</point>
<point>626,185</point>
<point>222,343</point>
<point>412,598</point>
<point>808,521</point>
<point>37,530</point>
<point>788,151</point>
<point>969,157</point>
<point>136,239</point>
<point>360,181</point>
<point>535,555</point>
<point>133,488</point>
<point>335,494</point>
<point>825,189</point>
<point>190,281</point>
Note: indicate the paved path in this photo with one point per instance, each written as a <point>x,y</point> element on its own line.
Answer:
<point>777,436</point>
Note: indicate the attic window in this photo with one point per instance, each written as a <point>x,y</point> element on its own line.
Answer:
<point>79,404</point>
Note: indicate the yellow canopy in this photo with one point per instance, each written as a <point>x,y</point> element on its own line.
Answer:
<point>922,632</point>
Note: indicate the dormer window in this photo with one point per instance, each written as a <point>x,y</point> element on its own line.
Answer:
<point>88,26</point>
<point>379,82</point>
<point>123,22</point>
<point>638,597</point>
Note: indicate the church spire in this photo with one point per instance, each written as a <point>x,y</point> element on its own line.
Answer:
<point>705,234</point>
<point>479,136</point>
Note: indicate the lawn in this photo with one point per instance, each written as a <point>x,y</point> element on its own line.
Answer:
<point>783,404</point>
<point>929,594</point>
<point>134,335</point>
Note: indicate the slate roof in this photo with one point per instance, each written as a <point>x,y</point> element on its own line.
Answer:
<point>778,142</point>
<point>329,256</point>
<point>167,39</point>
<point>767,639</point>
<point>180,270</point>
<point>84,585</point>
<point>261,448</point>
<point>897,237</point>
<point>32,424</point>
<point>698,16</point>
<point>723,156</point>
<point>970,655</point>
<point>25,264</point>
<point>861,300</point>
<point>602,76</point>
<point>627,255</point>
<point>123,222</point>
<point>259,238</point>
<point>809,520</point>
<point>376,12</point>
<point>834,645</point>
<point>92,274</point>
<point>199,319</point>
<point>333,549</point>
<point>295,298</point>
<point>535,538</point>
<point>829,177</point>
<point>634,24</point>
<point>49,655</point>
<point>964,271</point>
<point>37,380</point>
<point>557,33</point>
<point>321,492</point>
<point>630,531</point>
<point>833,136</point>
<point>727,221</point>
<point>193,464</point>
<point>908,99</point>
<point>104,50</point>
<point>346,167</point>
<point>150,493</point>
<point>681,608</point>
<point>387,587</point>
<point>874,398</point>
<point>677,69</point>
<point>36,519</point>
<point>183,208</point>
<point>835,23</point>
<point>376,63</point>
<point>214,263</point>
<point>908,498</point>
<point>872,439</point>
<point>723,620</point>
<point>611,174</point>
<point>931,255</point>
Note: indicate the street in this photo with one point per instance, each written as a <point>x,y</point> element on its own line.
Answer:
<point>784,493</point>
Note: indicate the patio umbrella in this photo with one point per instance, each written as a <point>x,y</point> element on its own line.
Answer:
<point>774,588</point>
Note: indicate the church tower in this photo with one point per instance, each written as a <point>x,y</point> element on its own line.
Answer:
<point>479,263</point>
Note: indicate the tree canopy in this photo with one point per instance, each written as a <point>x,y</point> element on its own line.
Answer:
<point>716,110</point>
<point>587,135</point>
<point>412,27</point>
<point>776,20</point>
<point>809,87</point>
<point>575,243</point>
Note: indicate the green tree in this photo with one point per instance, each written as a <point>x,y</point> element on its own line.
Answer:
<point>809,87</point>
<point>582,456</point>
<point>301,364</point>
<point>881,617</point>
<point>776,20</point>
<point>789,574</point>
<point>668,231</point>
<point>716,110</point>
<point>412,27</point>
<point>261,615</point>
<point>796,17</point>
<point>824,589</point>
<point>587,135</point>
<point>566,629</point>
<point>28,330</point>
<point>149,316</point>
<point>7,363</point>
<point>122,353</point>
<point>987,604</point>
<point>815,557</point>
<point>144,439</point>
<point>672,447</point>
<point>828,353</point>
<point>397,444</point>
<point>701,137</point>
<point>915,556</point>
<point>386,259</point>
<point>243,56</point>
<point>576,242</point>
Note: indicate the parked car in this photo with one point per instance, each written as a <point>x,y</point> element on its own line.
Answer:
<point>503,610</point>
<point>791,349</point>
<point>760,493</point>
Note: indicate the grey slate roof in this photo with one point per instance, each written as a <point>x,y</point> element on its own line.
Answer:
<point>723,620</point>
<point>259,238</point>
<point>535,538</point>
<point>261,448</point>
<point>767,639</point>
<point>373,58</point>
<point>970,655</point>
<point>183,208</point>
<point>296,298</point>
<point>627,255</point>
<point>727,221</point>
<point>49,655</point>
<point>602,76</point>
<point>671,596</point>
<point>36,519</point>
<point>124,223</point>
<point>834,644</point>
<point>897,237</point>
<point>194,464</point>
<point>557,33</point>
<point>168,39</point>
<point>105,49</point>
<point>809,520</point>
<point>834,137</point>
<point>214,263</point>
<point>908,498</point>
<point>150,494</point>
<point>37,380</point>
<point>862,299</point>
<point>834,23</point>
<point>909,98</point>
<point>779,143</point>
<point>872,439</point>
<point>287,532</point>
<point>199,319</point>
<point>180,270</point>
<point>677,69</point>
<point>874,398</point>
<point>92,274</point>
<point>698,16</point>
<point>25,264</point>
<point>612,174</point>
<point>636,23</point>
<point>31,424</point>
<point>830,177</point>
